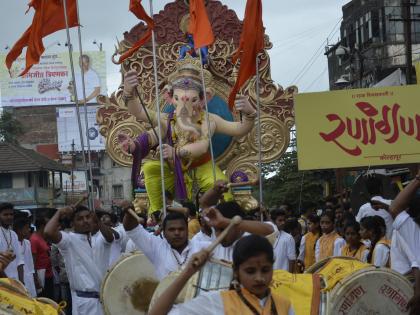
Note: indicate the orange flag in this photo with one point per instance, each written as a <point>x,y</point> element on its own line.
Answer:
<point>199,26</point>
<point>137,9</point>
<point>251,43</point>
<point>48,18</point>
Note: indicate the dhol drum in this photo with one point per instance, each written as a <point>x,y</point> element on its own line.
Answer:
<point>214,275</point>
<point>364,290</point>
<point>128,285</point>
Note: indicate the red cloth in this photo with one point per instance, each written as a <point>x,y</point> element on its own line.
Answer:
<point>48,18</point>
<point>251,43</point>
<point>200,27</point>
<point>137,9</point>
<point>41,249</point>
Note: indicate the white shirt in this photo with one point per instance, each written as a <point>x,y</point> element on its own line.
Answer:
<point>160,253</point>
<point>86,264</point>
<point>208,303</point>
<point>338,244</point>
<point>380,255</point>
<point>28,268</point>
<point>366,210</point>
<point>405,252</point>
<point>92,81</point>
<point>226,253</point>
<point>202,237</point>
<point>284,250</point>
<point>302,244</point>
<point>130,247</point>
<point>9,241</point>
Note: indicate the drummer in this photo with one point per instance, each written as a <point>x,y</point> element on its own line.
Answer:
<point>218,218</point>
<point>253,260</point>
<point>86,260</point>
<point>169,253</point>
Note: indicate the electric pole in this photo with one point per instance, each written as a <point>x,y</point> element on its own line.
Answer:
<point>406,14</point>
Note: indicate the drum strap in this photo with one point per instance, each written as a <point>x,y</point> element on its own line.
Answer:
<point>252,308</point>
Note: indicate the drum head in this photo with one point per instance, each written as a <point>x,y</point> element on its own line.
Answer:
<point>371,291</point>
<point>128,286</point>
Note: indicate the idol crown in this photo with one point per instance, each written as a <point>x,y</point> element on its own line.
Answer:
<point>188,74</point>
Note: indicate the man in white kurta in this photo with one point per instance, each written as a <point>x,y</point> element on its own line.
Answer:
<point>86,258</point>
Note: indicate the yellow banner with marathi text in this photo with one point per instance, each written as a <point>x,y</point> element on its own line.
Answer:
<point>361,127</point>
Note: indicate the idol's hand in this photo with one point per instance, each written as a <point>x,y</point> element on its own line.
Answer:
<point>243,105</point>
<point>130,82</point>
<point>168,152</point>
<point>126,143</point>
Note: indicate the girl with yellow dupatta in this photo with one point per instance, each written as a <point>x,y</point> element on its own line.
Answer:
<point>374,229</point>
<point>330,243</point>
<point>354,247</point>
<point>307,244</point>
<point>253,260</point>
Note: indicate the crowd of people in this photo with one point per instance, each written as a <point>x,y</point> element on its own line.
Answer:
<point>65,257</point>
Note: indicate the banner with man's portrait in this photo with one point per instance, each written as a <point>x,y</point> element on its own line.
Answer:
<point>50,81</point>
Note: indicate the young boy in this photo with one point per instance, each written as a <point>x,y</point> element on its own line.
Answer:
<point>284,245</point>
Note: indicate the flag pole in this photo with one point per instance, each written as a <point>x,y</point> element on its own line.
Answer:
<point>79,123</point>
<point>79,35</point>
<point>162,171</point>
<point>213,163</point>
<point>259,137</point>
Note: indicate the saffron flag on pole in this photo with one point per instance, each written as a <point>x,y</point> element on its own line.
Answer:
<point>250,44</point>
<point>200,27</point>
<point>48,18</point>
<point>137,9</point>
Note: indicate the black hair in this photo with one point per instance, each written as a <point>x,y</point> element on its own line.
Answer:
<point>291,224</point>
<point>274,214</point>
<point>376,225</point>
<point>313,218</point>
<point>40,222</point>
<point>229,209</point>
<point>354,225</point>
<point>197,197</point>
<point>6,205</point>
<point>156,215</point>
<point>20,223</point>
<point>333,200</point>
<point>192,210</point>
<point>169,195</point>
<point>78,210</point>
<point>251,246</point>
<point>172,216</point>
<point>86,57</point>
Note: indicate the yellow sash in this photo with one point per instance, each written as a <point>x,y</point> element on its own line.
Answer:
<point>233,304</point>
<point>326,245</point>
<point>310,241</point>
<point>346,251</point>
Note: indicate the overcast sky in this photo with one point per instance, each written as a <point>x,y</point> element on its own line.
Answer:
<point>298,30</point>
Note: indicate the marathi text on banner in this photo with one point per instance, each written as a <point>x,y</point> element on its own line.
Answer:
<point>353,128</point>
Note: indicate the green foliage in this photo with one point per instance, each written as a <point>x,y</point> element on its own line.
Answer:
<point>10,128</point>
<point>286,185</point>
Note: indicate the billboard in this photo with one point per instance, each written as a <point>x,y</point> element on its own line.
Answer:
<point>358,128</point>
<point>49,82</point>
<point>68,129</point>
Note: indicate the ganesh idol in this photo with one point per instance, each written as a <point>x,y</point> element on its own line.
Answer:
<point>185,134</point>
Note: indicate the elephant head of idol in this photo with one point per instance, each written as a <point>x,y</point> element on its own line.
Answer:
<point>187,94</point>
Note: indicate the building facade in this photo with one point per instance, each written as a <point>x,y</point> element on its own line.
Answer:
<point>372,44</point>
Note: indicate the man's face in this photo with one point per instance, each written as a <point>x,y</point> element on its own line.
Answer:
<point>176,233</point>
<point>84,63</point>
<point>339,214</point>
<point>233,235</point>
<point>82,222</point>
<point>280,221</point>
<point>6,217</point>
<point>106,219</point>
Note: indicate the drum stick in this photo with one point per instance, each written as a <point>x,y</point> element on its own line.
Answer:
<point>234,222</point>
<point>250,183</point>
<point>80,201</point>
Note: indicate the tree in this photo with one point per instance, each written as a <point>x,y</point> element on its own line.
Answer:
<point>10,128</point>
<point>291,186</point>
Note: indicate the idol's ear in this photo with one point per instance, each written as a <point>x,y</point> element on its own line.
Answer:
<point>209,93</point>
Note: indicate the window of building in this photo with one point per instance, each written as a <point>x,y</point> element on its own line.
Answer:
<point>416,24</point>
<point>369,25</point>
<point>394,29</point>
<point>43,179</point>
<point>117,192</point>
<point>357,33</point>
<point>6,181</point>
<point>29,179</point>
<point>362,31</point>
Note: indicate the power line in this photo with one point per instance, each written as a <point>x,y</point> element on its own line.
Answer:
<point>315,56</point>
<point>317,78</point>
